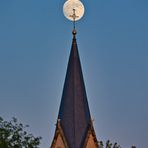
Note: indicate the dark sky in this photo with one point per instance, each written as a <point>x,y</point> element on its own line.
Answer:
<point>35,41</point>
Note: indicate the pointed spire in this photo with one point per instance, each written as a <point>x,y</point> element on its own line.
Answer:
<point>74,111</point>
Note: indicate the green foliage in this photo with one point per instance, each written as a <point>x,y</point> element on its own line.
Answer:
<point>108,144</point>
<point>13,135</point>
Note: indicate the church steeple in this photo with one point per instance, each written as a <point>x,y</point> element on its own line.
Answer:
<point>74,112</point>
<point>74,128</point>
<point>74,115</point>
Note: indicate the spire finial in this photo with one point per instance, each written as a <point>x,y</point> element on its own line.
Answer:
<point>74,16</point>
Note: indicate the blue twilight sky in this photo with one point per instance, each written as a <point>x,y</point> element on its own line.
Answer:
<point>35,41</point>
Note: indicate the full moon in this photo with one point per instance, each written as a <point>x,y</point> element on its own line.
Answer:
<point>71,5</point>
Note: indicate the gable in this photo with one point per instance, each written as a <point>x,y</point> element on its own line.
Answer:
<point>59,142</point>
<point>91,142</point>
